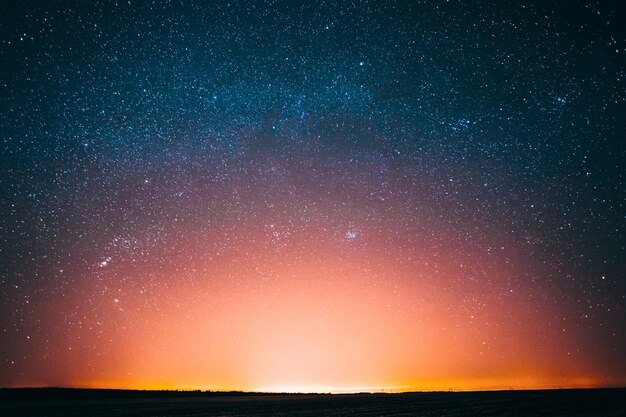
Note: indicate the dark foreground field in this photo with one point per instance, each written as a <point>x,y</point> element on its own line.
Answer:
<point>597,402</point>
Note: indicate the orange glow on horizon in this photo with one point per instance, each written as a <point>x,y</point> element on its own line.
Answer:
<point>516,382</point>
<point>362,321</point>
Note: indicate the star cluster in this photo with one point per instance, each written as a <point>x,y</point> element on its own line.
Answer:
<point>312,195</point>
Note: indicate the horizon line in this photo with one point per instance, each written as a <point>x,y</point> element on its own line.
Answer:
<point>329,392</point>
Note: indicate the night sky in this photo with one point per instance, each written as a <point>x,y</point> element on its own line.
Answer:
<point>312,196</point>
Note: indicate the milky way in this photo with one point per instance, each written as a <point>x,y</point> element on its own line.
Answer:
<point>292,195</point>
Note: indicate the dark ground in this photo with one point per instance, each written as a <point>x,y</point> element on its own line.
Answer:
<point>48,402</point>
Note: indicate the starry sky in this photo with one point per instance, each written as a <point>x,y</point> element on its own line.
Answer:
<point>312,196</point>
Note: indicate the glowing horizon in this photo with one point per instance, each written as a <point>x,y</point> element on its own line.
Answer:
<point>320,308</point>
<point>517,383</point>
<point>347,317</point>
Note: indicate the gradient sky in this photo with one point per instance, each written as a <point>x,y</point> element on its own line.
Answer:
<point>316,196</point>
